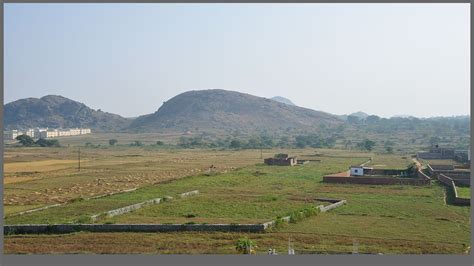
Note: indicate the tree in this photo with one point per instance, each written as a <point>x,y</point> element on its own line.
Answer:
<point>372,119</point>
<point>353,119</point>
<point>235,144</point>
<point>366,144</point>
<point>112,142</point>
<point>136,143</point>
<point>389,149</point>
<point>159,143</point>
<point>25,140</point>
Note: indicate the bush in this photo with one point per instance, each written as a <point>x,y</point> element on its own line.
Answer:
<point>48,143</point>
<point>83,219</point>
<point>245,246</point>
<point>112,142</point>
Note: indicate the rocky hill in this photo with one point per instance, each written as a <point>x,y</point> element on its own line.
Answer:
<point>229,111</point>
<point>59,112</point>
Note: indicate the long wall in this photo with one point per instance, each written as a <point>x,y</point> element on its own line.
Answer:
<point>450,183</point>
<point>70,228</point>
<point>376,180</point>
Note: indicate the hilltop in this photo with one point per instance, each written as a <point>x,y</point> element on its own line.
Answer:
<point>283,100</point>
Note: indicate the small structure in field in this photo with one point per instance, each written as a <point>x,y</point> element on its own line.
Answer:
<point>281,159</point>
<point>357,170</point>
<point>358,174</point>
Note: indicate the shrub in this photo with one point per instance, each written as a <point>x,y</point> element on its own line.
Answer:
<point>83,219</point>
<point>245,246</point>
<point>47,143</point>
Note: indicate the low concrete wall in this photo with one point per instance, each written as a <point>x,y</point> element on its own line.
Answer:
<point>113,193</point>
<point>60,204</point>
<point>125,209</point>
<point>70,228</point>
<point>450,183</point>
<point>332,206</point>
<point>190,193</point>
<point>35,210</point>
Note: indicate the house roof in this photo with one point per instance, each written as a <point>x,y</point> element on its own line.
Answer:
<point>363,167</point>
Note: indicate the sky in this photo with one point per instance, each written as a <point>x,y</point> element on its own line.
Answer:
<point>383,59</point>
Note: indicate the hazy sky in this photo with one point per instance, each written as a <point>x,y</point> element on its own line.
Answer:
<point>383,59</point>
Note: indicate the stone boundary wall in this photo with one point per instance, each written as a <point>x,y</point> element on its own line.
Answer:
<point>71,228</point>
<point>450,183</point>
<point>459,177</point>
<point>190,193</point>
<point>376,180</point>
<point>125,209</point>
<point>34,210</point>
<point>422,175</point>
<point>61,204</point>
<point>336,203</point>
<point>137,206</point>
<point>332,206</point>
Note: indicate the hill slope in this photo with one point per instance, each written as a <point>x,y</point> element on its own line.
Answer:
<point>57,111</point>
<point>220,110</point>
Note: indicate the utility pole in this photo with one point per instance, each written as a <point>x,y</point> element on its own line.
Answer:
<point>79,160</point>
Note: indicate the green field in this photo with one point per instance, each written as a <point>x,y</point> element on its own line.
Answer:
<point>464,192</point>
<point>387,219</point>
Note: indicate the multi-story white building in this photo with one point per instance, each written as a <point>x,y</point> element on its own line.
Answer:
<point>37,133</point>
<point>30,132</point>
<point>64,133</point>
<point>75,131</point>
<point>11,134</point>
<point>50,133</point>
<point>85,131</point>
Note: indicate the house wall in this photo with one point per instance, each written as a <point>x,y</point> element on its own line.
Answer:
<point>374,180</point>
<point>357,171</point>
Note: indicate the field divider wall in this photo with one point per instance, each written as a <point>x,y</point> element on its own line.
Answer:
<point>70,228</point>
<point>189,193</point>
<point>137,206</point>
<point>449,182</point>
<point>125,209</point>
<point>70,201</point>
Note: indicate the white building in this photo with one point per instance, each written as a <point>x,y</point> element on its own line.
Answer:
<point>30,132</point>
<point>37,133</point>
<point>75,131</point>
<point>64,133</point>
<point>357,170</point>
<point>50,133</point>
<point>11,134</point>
<point>85,131</point>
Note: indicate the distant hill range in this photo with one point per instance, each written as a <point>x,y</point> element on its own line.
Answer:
<point>59,112</point>
<point>211,111</point>
<point>283,100</point>
<point>221,110</point>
